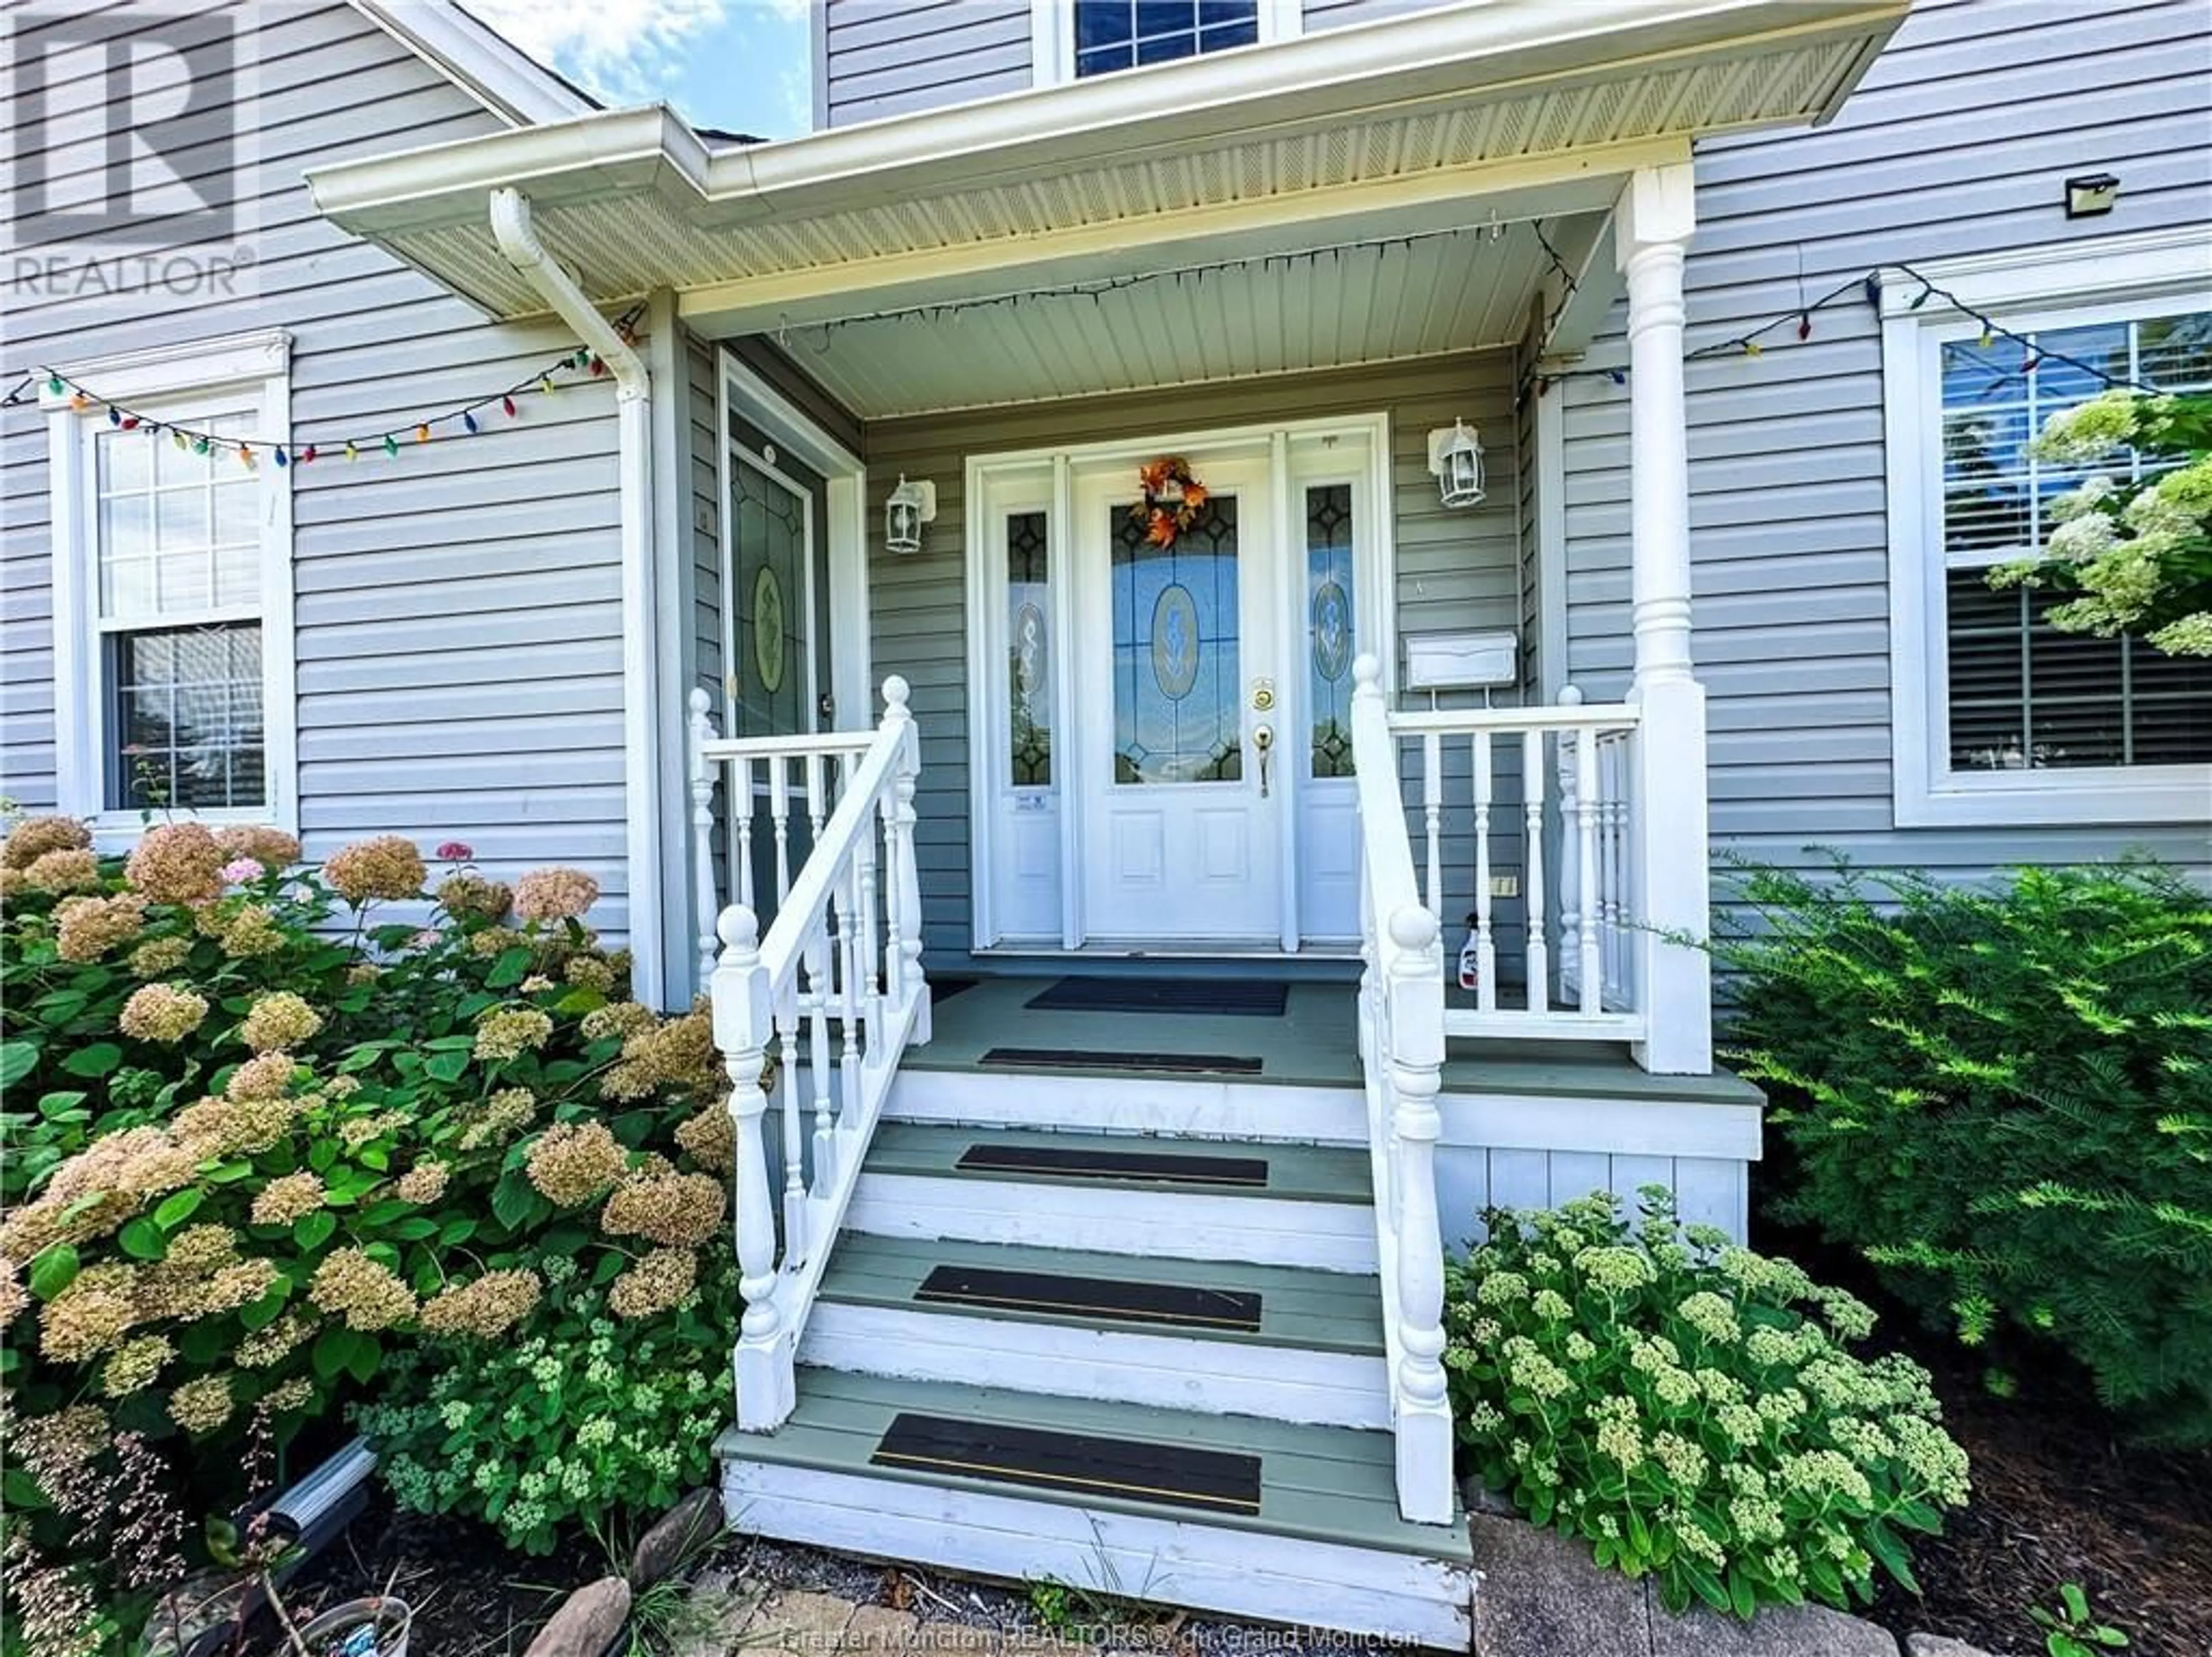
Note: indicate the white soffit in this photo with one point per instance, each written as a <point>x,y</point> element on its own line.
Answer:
<point>1457,101</point>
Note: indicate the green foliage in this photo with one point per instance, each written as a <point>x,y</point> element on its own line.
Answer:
<point>1663,1396</point>
<point>2072,1630</point>
<point>2133,545</point>
<point>588,1416</point>
<point>2002,1097</point>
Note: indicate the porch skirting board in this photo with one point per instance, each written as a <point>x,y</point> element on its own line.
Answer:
<point>1708,1190</point>
<point>1281,1383</point>
<point>1240,1573</point>
<point>1167,1224</point>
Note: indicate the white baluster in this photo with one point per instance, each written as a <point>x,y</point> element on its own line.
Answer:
<point>1539,956</point>
<point>865,853</point>
<point>1432,813</point>
<point>817,806</point>
<point>762,1364</point>
<point>742,806</point>
<point>819,994</point>
<point>852,998</point>
<point>1422,1415</point>
<point>1589,971</point>
<point>1610,858</point>
<point>1485,944</point>
<point>779,813</point>
<point>1574,888</point>
<point>702,832</point>
<point>795,1239</point>
<point>904,959</point>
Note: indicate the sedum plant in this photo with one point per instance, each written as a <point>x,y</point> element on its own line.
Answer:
<point>1691,1410</point>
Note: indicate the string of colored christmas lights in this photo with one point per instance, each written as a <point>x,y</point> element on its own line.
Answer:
<point>288,451</point>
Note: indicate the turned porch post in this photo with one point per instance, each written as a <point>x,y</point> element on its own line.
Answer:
<point>1669,871</point>
<point>743,1023</point>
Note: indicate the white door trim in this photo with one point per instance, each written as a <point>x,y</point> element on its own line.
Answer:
<point>1375,623</point>
<point>845,479</point>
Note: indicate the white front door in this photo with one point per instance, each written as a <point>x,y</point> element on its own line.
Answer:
<point>1177,665</point>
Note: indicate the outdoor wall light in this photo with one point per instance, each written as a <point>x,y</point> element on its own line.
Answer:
<point>1456,461</point>
<point>2090,194</point>
<point>911,506</point>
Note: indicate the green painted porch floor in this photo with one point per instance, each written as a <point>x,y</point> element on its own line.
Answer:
<point>1314,1043</point>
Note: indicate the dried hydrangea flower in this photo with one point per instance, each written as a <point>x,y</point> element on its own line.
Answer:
<point>250,933</point>
<point>158,956</point>
<point>366,1292</point>
<point>677,1210</point>
<point>495,941</point>
<point>280,1020</point>
<point>423,1183</point>
<point>135,1366</point>
<point>289,1198</point>
<point>90,1316</point>
<point>591,972</point>
<point>219,1127</point>
<point>573,1162</point>
<point>294,1394</point>
<point>177,863</point>
<point>485,1309</point>
<point>85,928</point>
<point>271,848</point>
<point>236,1286</point>
<point>711,1138</point>
<point>471,897</point>
<point>34,836</point>
<point>386,866</point>
<point>621,1018</point>
<point>202,1248</point>
<point>63,871</point>
<point>202,1406</point>
<point>678,1056</point>
<point>507,1032</point>
<point>556,893</point>
<point>266,1075</point>
<point>503,1116</point>
<point>13,1297</point>
<point>162,1012</point>
<point>274,1343</point>
<point>661,1280</point>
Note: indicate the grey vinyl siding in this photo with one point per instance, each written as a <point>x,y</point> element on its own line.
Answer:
<point>879,58</point>
<point>459,623</point>
<point>1335,14</point>
<point>1455,570</point>
<point>1956,144</point>
<point>703,401</point>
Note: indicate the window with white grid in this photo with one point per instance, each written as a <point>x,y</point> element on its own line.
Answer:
<point>1999,717</point>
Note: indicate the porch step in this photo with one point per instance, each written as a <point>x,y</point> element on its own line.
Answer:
<point>1223,1339</point>
<point>1232,1514</point>
<point>1256,1201</point>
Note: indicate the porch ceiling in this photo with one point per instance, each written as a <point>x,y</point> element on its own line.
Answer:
<point>1438,119</point>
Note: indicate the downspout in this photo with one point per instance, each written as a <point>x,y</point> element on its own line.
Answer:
<point>518,241</point>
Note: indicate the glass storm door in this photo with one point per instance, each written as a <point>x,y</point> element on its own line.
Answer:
<point>1182,789</point>
<point>770,592</point>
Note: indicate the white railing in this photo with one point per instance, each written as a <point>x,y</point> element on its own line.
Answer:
<point>834,993</point>
<point>1401,1049</point>
<point>1536,783</point>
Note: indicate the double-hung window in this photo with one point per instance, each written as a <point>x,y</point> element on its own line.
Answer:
<point>1111,34</point>
<point>2000,717</point>
<point>173,586</point>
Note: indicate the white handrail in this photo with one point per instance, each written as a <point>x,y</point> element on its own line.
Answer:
<point>1401,1045</point>
<point>821,965</point>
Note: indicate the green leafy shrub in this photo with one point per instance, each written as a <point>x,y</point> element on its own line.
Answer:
<point>253,1152</point>
<point>1662,1396</point>
<point>2002,1097</point>
<point>591,1413</point>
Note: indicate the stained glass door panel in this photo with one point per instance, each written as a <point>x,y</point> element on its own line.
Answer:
<point>770,652</point>
<point>1178,714</point>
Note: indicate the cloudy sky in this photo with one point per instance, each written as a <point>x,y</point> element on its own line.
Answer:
<point>738,64</point>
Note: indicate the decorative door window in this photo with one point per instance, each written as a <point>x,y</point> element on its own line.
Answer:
<point>1330,621</point>
<point>1177,707</point>
<point>769,533</point>
<point>1029,651</point>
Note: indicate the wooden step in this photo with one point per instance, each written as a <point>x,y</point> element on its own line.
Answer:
<point>1278,1518</point>
<point>1285,1343</point>
<point>1284,1205</point>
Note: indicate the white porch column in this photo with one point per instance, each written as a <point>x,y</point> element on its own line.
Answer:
<point>1669,869</point>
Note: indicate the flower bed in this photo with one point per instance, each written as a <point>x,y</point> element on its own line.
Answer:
<point>271,1157</point>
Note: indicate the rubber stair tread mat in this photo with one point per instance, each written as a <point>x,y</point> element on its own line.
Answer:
<point>1330,1174</point>
<point>1109,1300</point>
<point>1115,1162</point>
<point>1079,1464</point>
<point>1085,1059</point>
<point>1199,997</point>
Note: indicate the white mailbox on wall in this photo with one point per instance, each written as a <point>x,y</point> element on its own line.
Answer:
<point>1461,662</point>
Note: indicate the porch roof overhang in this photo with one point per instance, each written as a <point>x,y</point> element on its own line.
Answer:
<point>1463,117</point>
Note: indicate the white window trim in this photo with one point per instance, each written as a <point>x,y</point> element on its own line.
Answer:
<point>2126,275</point>
<point>1052,36</point>
<point>259,365</point>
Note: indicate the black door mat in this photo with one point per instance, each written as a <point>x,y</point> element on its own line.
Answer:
<point>1109,1300</point>
<point>1076,1058</point>
<point>944,989</point>
<point>1067,1162</point>
<point>1230,998</point>
<point>1174,1475</point>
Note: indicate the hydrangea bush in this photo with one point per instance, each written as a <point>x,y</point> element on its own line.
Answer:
<point>1691,1409</point>
<point>260,1141</point>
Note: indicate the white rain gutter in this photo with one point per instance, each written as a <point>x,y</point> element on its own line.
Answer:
<point>518,241</point>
